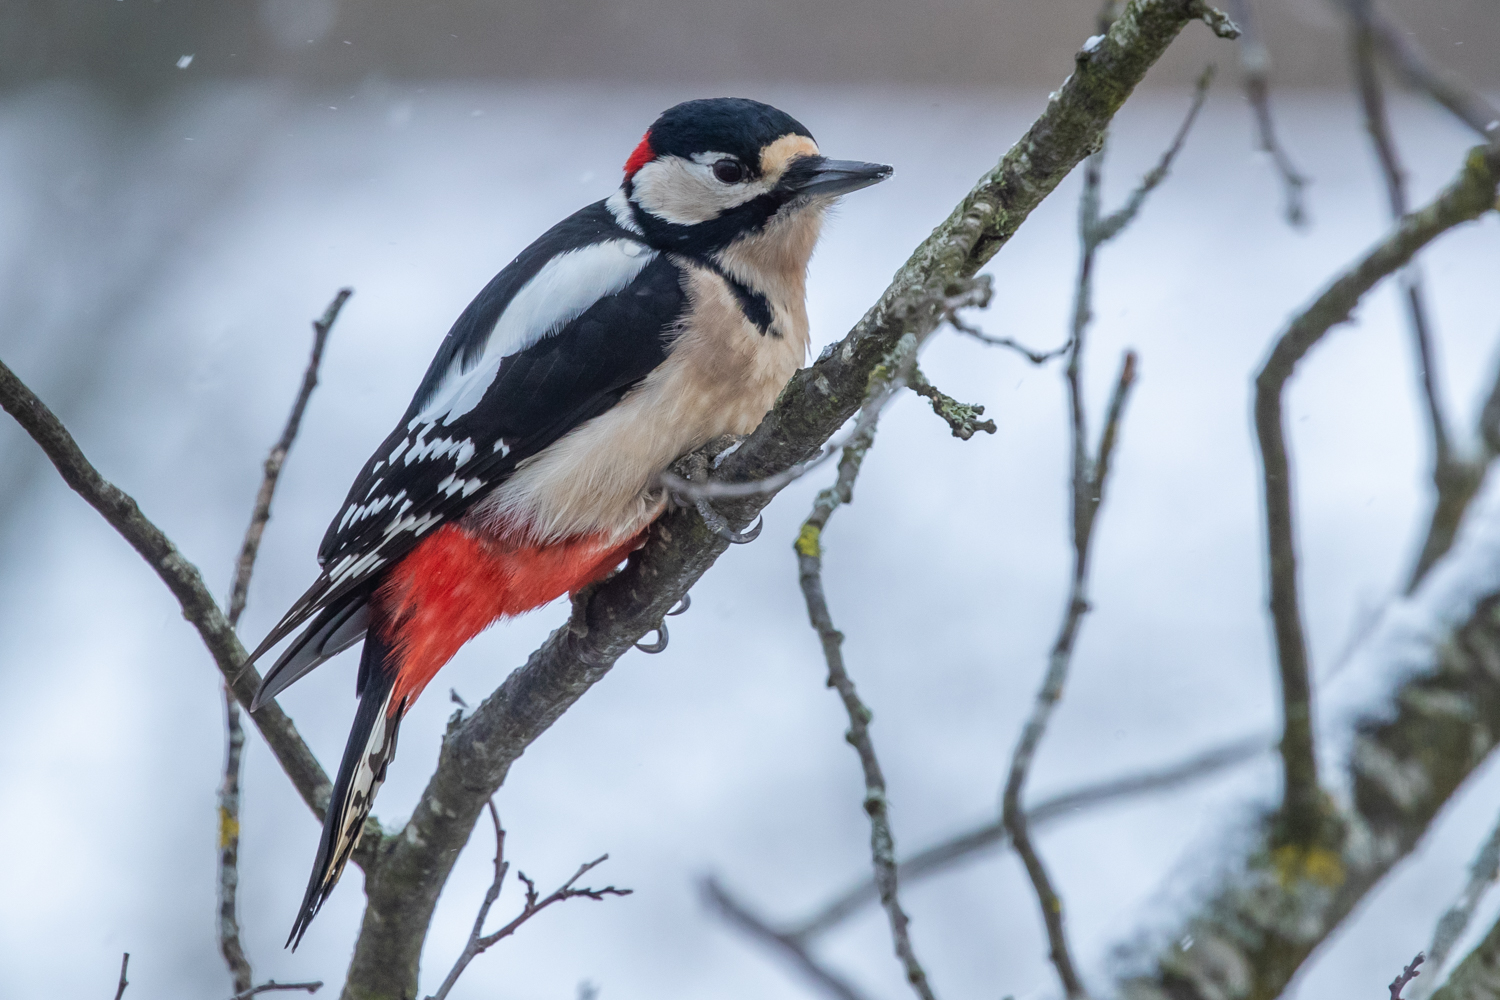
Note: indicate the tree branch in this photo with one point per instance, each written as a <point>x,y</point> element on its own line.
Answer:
<point>181,577</point>
<point>790,946</point>
<point>1407,975</point>
<point>809,548</point>
<point>230,945</point>
<point>962,418</point>
<point>479,941</point>
<point>272,986</point>
<point>1418,71</point>
<point>1034,356</point>
<point>120,987</point>
<point>277,458</point>
<point>1255,63</point>
<point>1088,493</point>
<point>1274,903</point>
<point>960,847</point>
<point>1089,474</point>
<point>1112,225</point>
<point>1455,481</point>
<point>1470,195</point>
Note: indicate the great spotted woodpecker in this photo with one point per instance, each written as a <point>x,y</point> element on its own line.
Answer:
<point>632,332</point>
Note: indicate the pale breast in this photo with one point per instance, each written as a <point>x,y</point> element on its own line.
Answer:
<point>721,377</point>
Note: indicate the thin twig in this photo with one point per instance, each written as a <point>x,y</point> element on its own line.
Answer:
<point>1034,356</point>
<point>124,964</point>
<point>1456,479</point>
<point>1458,485</point>
<point>809,550</point>
<point>479,941</point>
<point>1114,224</point>
<point>1089,474</point>
<point>277,458</point>
<point>272,986</point>
<point>1088,494</point>
<point>949,853</point>
<point>962,418</point>
<point>181,578</point>
<point>490,895</point>
<point>1407,975</point>
<point>1470,195</point>
<point>1255,62</point>
<point>1446,474</point>
<point>1418,71</point>
<point>790,946</point>
<point>230,945</point>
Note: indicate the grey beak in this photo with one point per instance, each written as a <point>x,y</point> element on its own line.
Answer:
<point>825,177</point>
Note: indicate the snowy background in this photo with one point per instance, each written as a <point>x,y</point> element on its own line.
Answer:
<point>159,265</point>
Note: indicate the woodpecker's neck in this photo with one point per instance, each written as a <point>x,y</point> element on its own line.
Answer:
<point>768,259</point>
<point>772,263</point>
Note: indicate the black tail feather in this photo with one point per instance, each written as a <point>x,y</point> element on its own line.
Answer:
<point>371,747</point>
<point>335,629</point>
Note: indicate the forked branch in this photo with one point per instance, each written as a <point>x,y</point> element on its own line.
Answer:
<point>479,941</point>
<point>792,947</point>
<point>958,848</point>
<point>180,576</point>
<point>1265,910</point>
<point>1470,195</point>
<point>1255,64</point>
<point>809,548</point>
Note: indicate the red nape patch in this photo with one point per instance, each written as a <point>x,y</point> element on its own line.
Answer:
<point>455,585</point>
<point>643,155</point>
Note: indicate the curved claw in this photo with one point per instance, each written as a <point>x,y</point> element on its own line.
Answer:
<point>682,606</point>
<point>740,538</point>
<point>660,643</point>
<point>720,527</point>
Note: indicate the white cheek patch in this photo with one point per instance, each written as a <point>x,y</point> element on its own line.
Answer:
<point>686,192</point>
<point>558,294</point>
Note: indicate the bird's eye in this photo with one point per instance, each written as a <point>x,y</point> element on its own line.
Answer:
<point>729,171</point>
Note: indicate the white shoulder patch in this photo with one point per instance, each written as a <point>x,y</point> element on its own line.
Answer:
<point>619,207</point>
<point>558,294</point>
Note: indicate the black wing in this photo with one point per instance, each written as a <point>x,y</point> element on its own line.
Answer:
<point>435,464</point>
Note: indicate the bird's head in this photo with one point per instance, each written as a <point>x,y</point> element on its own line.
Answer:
<point>710,172</point>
